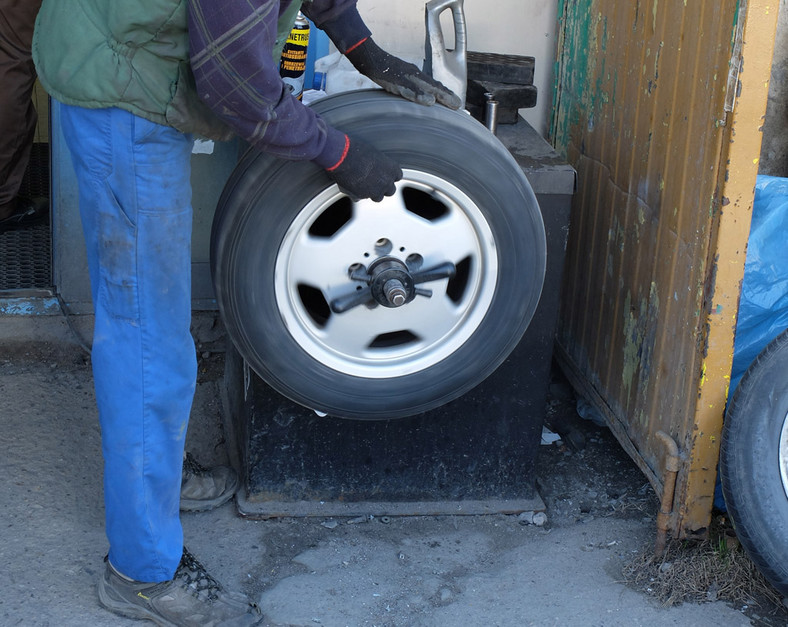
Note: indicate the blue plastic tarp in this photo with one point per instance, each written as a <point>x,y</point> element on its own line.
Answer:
<point>763,309</point>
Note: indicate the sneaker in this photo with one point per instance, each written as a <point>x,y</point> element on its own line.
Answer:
<point>202,488</point>
<point>192,598</point>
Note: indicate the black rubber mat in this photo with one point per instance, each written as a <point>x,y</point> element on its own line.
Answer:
<point>26,254</point>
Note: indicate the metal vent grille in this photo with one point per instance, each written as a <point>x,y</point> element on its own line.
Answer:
<point>25,254</point>
<point>25,258</point>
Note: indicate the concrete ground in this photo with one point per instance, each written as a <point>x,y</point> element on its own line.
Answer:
<point>431,571</point>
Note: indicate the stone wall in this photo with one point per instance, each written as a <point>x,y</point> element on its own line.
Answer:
<point>774,150</point>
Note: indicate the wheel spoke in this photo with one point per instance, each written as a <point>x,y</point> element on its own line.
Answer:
<point>314,261</point>
<point>429,318</point>
<point>390,220</point>
<point>324,261</point>
<point>350,333</point>
<point>449,238</point>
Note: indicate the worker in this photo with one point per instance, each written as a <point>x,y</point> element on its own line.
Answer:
<point>137,81</point>
<point>18,116</point>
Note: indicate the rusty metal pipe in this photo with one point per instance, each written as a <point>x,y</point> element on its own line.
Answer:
<point>672,465</point>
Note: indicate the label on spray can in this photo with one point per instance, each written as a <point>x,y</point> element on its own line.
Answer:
<point>292,67</point>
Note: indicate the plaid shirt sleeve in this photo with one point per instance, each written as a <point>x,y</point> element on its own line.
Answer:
<point>340,19</point>
<point>231,45</point>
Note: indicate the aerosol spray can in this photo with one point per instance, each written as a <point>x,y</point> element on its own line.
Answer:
<point>292,67</point>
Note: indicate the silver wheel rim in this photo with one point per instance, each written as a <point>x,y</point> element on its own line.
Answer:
<point>783,453</point>
<point>381,342</point>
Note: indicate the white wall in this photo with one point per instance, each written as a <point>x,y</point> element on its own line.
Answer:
<point>524,27</point>
<point>774,148</point>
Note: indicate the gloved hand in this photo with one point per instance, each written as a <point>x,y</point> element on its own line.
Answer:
<point>365,172</point>
<point>399,77</point>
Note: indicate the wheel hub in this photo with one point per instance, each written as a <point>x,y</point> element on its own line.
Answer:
<point>389,282</point>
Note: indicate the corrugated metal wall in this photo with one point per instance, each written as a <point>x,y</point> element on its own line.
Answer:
<point>645,91</point>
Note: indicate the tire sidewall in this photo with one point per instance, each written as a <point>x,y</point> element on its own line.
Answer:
<point>749,462</point>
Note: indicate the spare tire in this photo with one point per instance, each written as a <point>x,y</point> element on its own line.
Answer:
<point>754,462</point>
<point>302,273</point>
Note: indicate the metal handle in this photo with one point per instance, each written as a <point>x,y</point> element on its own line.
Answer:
<point>447,66</point>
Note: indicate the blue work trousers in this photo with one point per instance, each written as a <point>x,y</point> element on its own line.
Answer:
<point>135,204</point>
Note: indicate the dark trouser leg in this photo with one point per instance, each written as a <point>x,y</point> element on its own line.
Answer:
<point>17,113</point>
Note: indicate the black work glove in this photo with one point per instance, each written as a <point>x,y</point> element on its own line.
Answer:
<point>365,172</point>
<point>399,77</point>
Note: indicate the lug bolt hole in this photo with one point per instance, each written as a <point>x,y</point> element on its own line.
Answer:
<point>383,246</point>
<point>414,262</point>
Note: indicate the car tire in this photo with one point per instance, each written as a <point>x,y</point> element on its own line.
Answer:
<point>285,242</point>
<point>754,462</point>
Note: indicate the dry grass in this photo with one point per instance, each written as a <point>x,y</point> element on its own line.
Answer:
<point>715,569</point>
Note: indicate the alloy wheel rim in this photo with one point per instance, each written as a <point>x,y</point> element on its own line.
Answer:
<point>427,222</point>
<point>783,454</point>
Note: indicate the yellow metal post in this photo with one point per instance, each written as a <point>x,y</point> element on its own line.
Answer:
<point>737,184</point>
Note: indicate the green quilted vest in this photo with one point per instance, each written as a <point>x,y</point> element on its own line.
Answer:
<point>131,55</point>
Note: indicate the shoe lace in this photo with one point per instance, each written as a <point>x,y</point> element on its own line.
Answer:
<point>192,467</point>
<point>196,578</point>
